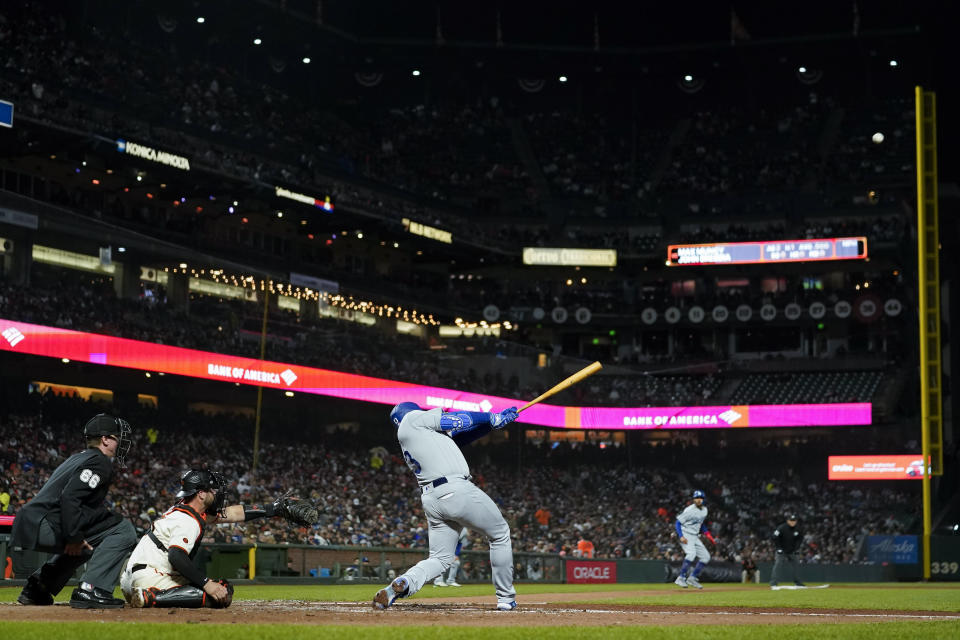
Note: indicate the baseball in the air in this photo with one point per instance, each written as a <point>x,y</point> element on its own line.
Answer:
<point>878,137</point>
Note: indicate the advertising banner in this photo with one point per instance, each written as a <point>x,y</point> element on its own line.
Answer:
<point>892,549</point>
<point>22,337</point>
<point>715,571</point>
<point>569,257</point>
<point>587,571</point>
<point>875,467</point>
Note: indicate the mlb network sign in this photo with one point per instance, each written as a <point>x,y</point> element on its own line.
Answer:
<point>579,572</point>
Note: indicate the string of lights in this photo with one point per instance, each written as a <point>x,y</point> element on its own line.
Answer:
<point>346,302</point>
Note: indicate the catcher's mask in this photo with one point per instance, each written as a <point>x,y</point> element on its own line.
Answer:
<point>194,480</point>
<point>107,425</point>
<point>402,409</point>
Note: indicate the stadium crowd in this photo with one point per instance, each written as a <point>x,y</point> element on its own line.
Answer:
<point>435,161</point>
<point>625,505</point>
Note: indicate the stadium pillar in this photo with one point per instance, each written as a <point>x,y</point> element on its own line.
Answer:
<point>928,263</point>
<point>178,291</point>
<point>16,256</point>
<point>263,352</point>
<point>309,309</point>
<point>126,283</point>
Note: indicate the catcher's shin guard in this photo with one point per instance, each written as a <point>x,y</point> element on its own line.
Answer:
<point>185,596</point>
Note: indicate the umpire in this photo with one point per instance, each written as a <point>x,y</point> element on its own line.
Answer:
<point>68,518</point>
<point>787,539</point>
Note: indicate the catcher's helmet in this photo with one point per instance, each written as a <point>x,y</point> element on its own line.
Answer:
<point>107,425</point>
<point>699,494</point>
<point>194,480</point>
<point>402,409</point>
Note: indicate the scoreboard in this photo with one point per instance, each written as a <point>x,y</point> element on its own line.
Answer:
<point>767,252</point>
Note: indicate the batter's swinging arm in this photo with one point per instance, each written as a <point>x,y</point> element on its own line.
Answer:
<point>586,372</point>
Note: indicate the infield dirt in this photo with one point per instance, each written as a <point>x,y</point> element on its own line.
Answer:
<point>558,609</point>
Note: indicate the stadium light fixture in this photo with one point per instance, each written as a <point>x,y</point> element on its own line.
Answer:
<point>563,78</point>
<point>257,41</point>
<point>688,78</point>
<point>121,249</point>
<point>65,360</point>
<point>415,72</point>
<point>802,69</point>
<point>306,60</point>
<point>201,19</point>
<point>894,63</point>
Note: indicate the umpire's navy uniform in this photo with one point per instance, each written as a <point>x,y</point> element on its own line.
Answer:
<point>787,539</point>
<point>70,509</point>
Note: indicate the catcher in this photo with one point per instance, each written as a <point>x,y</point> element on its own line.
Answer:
<point>161,571</point>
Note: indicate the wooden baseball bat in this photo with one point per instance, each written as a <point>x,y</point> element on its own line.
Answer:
<point>586,372</point>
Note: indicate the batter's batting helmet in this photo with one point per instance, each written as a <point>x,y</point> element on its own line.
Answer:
<point>107,425</point>
<point>194,480</point>
<point>699,494</point>
<point>402,409</point>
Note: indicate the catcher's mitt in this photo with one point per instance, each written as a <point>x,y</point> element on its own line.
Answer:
<point>297,511</point>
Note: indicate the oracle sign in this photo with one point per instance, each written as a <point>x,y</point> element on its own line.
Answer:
<point>579,571</point>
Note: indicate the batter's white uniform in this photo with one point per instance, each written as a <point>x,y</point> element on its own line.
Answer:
<point>451,505</point>
<point>178,527</point>
<point>691,521</point>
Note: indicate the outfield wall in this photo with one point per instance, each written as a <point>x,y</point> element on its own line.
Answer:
<point>333,563</point>
<point>376,562</point>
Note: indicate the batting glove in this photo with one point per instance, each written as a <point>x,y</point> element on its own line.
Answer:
<point>502,419</point>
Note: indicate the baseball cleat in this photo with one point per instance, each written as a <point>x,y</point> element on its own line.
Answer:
<point>507,606</point>
<point>693,582</point>
<point>396,589</point>
<point>454,583</point>
<point>140,598</point>
<point>440,583</point>
<point>95,598</point>
<point>680,582</point>
<point>34,594</point>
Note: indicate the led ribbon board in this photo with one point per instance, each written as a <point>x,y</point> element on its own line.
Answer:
<point>767,252</point>
<point>21,337</point>
<point>875,467</point>
<point>324,204</point>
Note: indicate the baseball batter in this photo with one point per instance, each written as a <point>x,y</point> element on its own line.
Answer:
<point>430,441</point>
<point>451,580</point>
<point>690,524</point>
